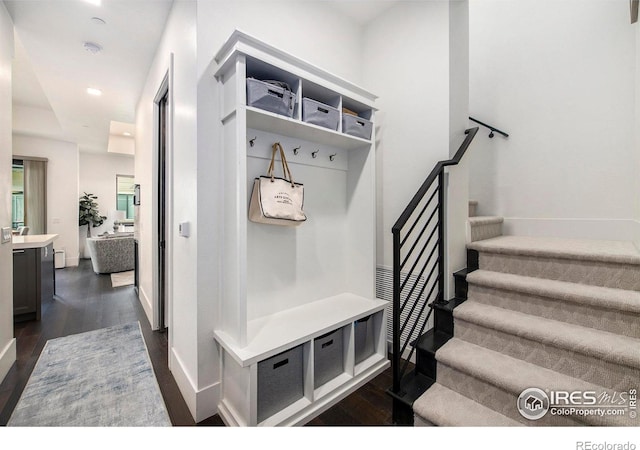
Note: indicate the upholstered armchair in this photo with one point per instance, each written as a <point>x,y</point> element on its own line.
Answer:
<point>112,253</point>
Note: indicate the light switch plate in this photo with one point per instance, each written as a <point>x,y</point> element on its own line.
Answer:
<point>184,229</point>
<point>6,235</point>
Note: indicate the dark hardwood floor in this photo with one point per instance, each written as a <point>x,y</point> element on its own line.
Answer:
<point>86,301</point>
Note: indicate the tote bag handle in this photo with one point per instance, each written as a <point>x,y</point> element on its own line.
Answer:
<point>285,166</point>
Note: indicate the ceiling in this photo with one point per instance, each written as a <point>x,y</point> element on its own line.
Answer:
<point>52,68</point>
<point>362,11</point>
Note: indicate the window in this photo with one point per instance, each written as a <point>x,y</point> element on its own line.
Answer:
<point>17,194</point>
<point>124,194</point>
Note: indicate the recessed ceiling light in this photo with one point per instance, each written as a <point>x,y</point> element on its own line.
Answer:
<point>94,2</point>
<point>126,133</point>
<point>93,91</point>
<point>98,21</point>
<point>92,47</point>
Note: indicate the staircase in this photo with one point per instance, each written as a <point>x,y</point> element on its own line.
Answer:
<point>560,315</point>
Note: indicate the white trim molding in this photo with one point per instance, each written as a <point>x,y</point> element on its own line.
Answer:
<point>145,301</point>
<point>72,261</point>
<point>7,358</point>
<point>201,402</point>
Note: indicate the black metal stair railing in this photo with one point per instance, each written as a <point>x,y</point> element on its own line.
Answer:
<point>491,128</point>
<point>418,263</point>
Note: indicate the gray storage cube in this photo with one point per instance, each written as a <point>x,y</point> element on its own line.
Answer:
<point>356,126</point>
<point>320,114</point>
<point>280,382</point>
<point>270,97</point>
<point>328,357</point>
<point>364,338</point>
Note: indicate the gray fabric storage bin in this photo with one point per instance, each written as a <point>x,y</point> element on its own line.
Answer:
<point>364,338</point>
<point>328,357</point>
<point>356,126</point>
<point>270,97</point>
<point>280,382</point>
<point>320,114</point>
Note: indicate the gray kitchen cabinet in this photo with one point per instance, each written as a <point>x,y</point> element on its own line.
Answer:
<point>33,281</point>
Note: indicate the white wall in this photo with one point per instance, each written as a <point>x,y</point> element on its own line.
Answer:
<point>311,30</point>
<point>7,342</point>
<point>559,78</point>
<point>98,176</point>
<point>458,176</point>
<point>406,63</point>
<point>62,188</point>
<point>179,40</point>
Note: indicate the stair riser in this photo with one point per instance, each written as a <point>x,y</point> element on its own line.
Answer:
<point>461,286</point>
<point>481,232</point>
<point>619,322</point>
<point>473,260</point>
<point>505,402</point>
<point>426,364</point>
<point>614,275</point>
<point>443,321</point>
<point>402,414</point>
<point>473,209</point>
<point>576,365</point>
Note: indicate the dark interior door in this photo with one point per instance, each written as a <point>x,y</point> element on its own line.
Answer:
<point>162,204</point>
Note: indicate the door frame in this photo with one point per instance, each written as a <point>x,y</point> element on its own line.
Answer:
<point>166,87</point>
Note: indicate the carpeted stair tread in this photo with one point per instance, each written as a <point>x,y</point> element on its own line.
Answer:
<point>513,375</point>
<point>602,297</point>
<point>443,407</point>
<point>485,220</point>
<point>623,252</point>
<point>587,341</point>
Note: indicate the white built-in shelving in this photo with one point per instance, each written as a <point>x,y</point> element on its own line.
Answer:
<point>283,289</point>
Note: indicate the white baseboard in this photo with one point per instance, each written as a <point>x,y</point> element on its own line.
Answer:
<point>7,358</point>
<point>228,416</point>
<point>145,301</point>
<point>609,229</point>
<point>71,262</point>
<point>202,403</point>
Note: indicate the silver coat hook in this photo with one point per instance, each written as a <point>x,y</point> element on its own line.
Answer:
<point>295,150</point>
<point>314,154</point>
<point>252,141</point>
<point>331,157</point>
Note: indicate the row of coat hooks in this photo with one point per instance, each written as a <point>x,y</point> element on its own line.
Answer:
<point>296,150</point>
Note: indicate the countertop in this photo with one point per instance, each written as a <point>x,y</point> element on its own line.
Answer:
<point>33,241</point>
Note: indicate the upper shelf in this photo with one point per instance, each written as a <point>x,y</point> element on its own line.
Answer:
<point>242,43</point>
<point>270,335</point>
<point>260,119</point>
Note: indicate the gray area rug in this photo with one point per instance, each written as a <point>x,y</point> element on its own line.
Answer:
<point>98,378</point>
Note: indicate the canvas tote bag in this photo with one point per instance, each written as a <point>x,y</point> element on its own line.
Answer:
<point>277,201</point>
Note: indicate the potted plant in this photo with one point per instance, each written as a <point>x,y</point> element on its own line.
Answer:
<point>89,214</point>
